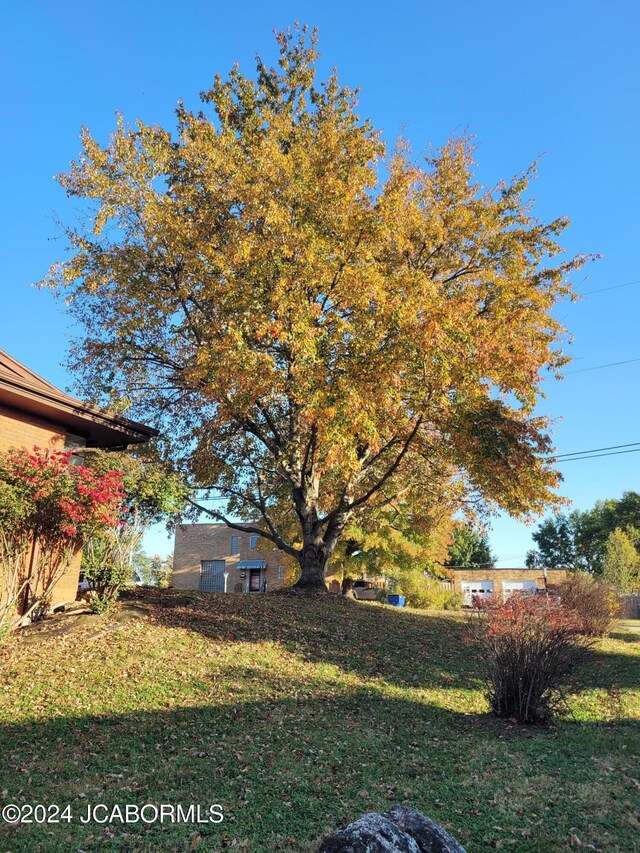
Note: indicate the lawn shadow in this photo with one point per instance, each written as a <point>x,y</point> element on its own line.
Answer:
<point>287,770</point>
<point>404,648</point>
<point>609,671</point>
<point>625,636</point>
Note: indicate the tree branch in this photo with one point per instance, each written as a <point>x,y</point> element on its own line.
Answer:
<point>349,507</point>
<point>247,528</point>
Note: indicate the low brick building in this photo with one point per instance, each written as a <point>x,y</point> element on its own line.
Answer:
<point>477,581</point>
<point>217,558</point>
<point>34,413</point>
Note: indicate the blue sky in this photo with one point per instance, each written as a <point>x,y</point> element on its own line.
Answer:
<point>558,79</point>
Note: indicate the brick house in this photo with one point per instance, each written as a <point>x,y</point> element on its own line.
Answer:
<point>477,581</point>
<point>216,558</point>
<point>35,413</point>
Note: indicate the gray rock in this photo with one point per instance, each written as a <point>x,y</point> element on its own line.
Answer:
<point>372,833</point>
<point>429,836</point>
<point>400,830</point>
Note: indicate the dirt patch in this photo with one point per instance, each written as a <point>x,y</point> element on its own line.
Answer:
<point>79,618</point>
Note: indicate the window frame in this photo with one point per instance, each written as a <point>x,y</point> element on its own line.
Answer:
<point>213,566</point>
<point>75,445</point>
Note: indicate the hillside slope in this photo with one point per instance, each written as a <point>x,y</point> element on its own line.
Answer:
<point>297,716</point>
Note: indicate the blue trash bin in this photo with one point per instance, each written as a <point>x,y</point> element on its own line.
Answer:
<point>396,600</point>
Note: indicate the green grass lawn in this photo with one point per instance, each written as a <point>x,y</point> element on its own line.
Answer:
<point>300,715</point>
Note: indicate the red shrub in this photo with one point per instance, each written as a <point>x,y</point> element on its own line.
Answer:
<point>594,601</point>
<point>48,509</point>
<point>528,645</point>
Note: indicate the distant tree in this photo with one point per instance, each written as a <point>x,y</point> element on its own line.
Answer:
<point>627,512</point>
<point>591,531</point>
<point>152,570</point>
<point>578,540</point>
<point>469,547</point>
<point>314,322</point>
<point>621,562</point>
<point>593,528</point>
<point>555,540</point>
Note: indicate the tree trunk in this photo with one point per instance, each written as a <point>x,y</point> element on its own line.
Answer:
<point>347,587</point>
<point>313,562</point>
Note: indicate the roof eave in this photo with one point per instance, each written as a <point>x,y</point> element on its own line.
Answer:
<point>100,428</point>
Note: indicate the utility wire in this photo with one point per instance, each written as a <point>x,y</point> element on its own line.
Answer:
<point>597,450</point>
<point>601,366</point>
<point>599,455</point>
<point>612,287</point>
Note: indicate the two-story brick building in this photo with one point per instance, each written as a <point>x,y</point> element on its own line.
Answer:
<point>217,558</point>
<point>35,413</point>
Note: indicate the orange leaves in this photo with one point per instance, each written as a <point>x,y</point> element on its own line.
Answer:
<point>270,284</point>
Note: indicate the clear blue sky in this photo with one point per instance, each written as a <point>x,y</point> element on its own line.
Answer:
<point>553,78</point>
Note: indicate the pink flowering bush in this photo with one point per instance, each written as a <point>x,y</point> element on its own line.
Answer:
<point>528,644</point>
<point>48,509</point>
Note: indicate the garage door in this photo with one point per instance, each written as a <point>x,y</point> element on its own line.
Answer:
<point>521,587</point>
<point>212,576</point>
<point>473,588</point>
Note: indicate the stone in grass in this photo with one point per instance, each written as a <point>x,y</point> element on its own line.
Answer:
<point>400,830</point>
<point>429,836</point>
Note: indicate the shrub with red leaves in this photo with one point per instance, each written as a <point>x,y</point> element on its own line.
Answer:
<point>529,644</point>
<point>48,509</point>
<point>595,602</point>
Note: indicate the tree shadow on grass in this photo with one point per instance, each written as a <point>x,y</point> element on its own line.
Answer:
<point>287,770</point>
<point>404,648</point>
<point>401,647</point>
<point>609,670</point>
<point>625,636</point>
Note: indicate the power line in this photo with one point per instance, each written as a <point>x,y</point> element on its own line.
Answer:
<point>612,287</point>
<point>597,450</point>
<point>599,455</point>
<point>601,366</point>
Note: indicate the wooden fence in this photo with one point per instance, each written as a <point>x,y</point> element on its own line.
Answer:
<point>630,607</point>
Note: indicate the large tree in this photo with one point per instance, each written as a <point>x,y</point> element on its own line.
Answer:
<point>317,326</point>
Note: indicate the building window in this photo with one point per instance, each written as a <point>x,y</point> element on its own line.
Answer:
<point>76,445</point>
<point>280,573</point>
<point>212,577</point>
<point>253,541</point>
<point>235,550</point>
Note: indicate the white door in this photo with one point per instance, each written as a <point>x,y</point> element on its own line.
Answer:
<point>521,587</point>
<point>471,589</point>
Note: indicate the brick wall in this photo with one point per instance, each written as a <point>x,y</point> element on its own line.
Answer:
<point>18,429</point>
<point>66,589</point>
<point>197,542</point>
<point>554,576</point>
